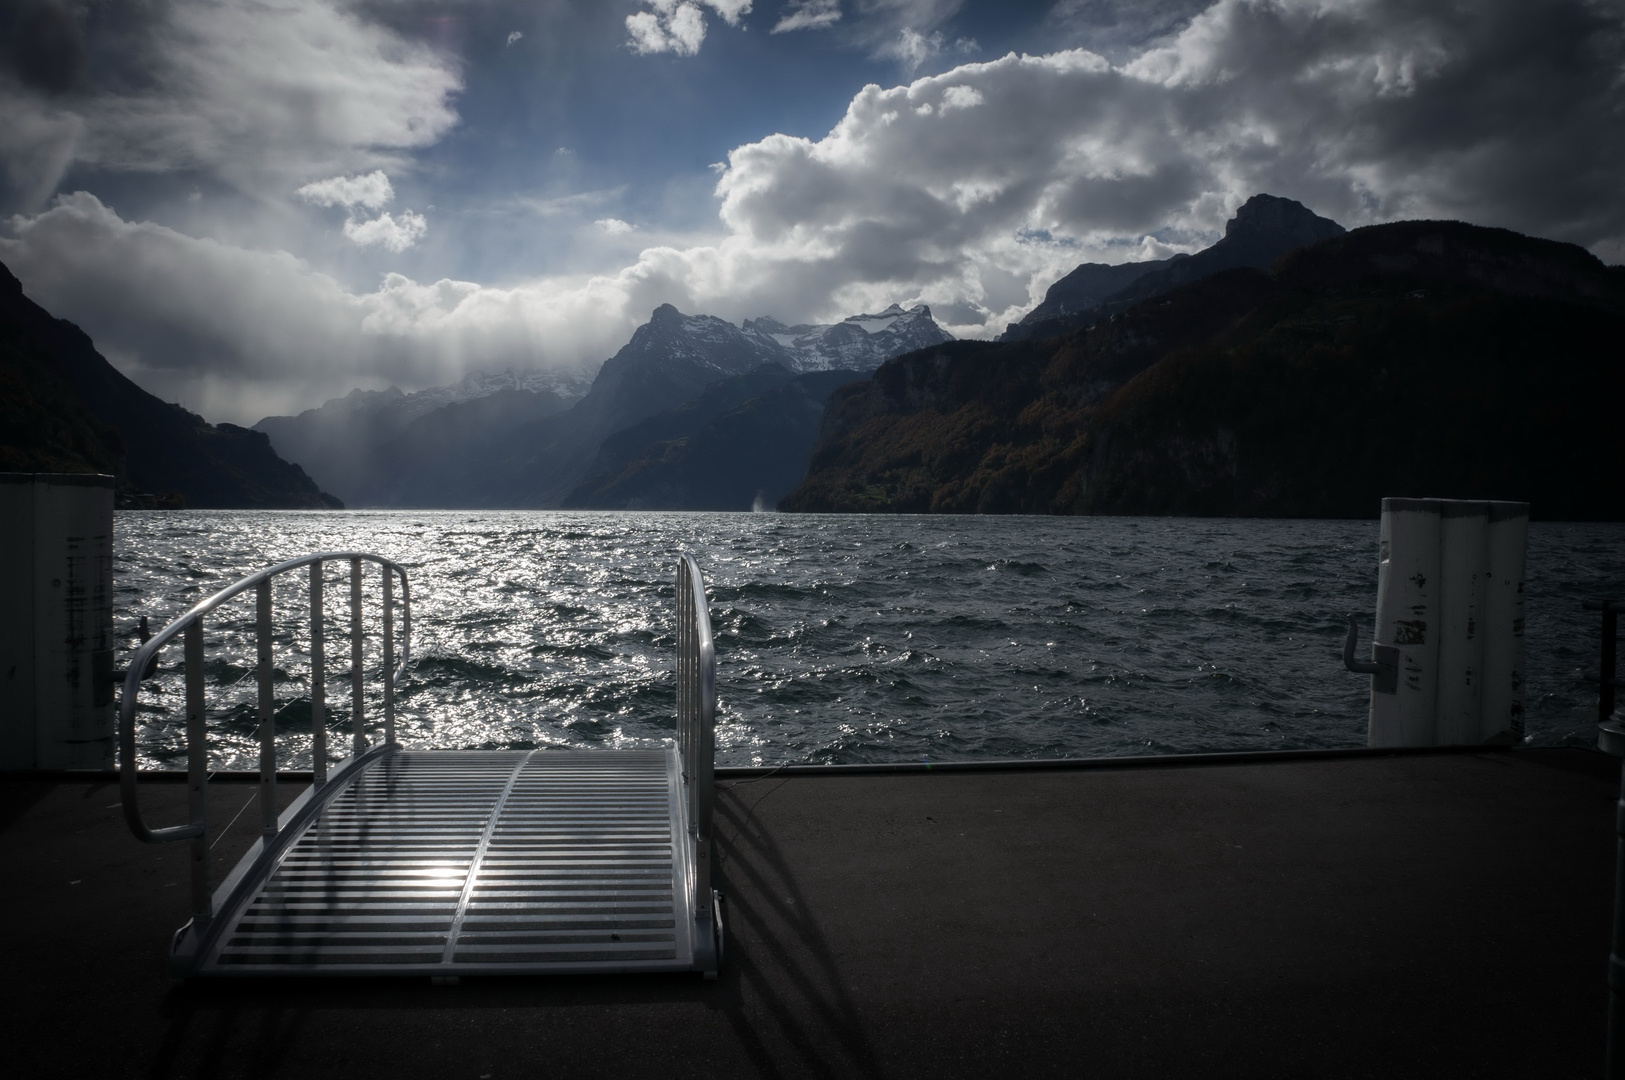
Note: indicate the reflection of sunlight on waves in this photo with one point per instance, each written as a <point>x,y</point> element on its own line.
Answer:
<point>838,638</point>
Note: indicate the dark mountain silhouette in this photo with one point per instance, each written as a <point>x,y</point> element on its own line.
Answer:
<point>1264,228</point>
<point>519,456</point>
<point>741,444</point>
<point>64,408</point>
<point>1077,295</point>
<point>1419,358</point>
<point>359,445</point>
<point>343,443</point>
<point>518,449</point>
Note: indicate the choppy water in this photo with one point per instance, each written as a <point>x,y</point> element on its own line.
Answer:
<point>839,638</point>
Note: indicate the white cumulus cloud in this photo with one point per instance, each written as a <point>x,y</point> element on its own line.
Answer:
<point>613,226</point>
<point>730,10</point>
<point>678,26</point>
<point>387,230</point>
<point>372,190</point>
<point>961,97</point>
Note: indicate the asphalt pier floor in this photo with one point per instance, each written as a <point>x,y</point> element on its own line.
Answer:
<point>1429,916</point>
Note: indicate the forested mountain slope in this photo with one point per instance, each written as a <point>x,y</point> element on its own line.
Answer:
<point>1418,358</point>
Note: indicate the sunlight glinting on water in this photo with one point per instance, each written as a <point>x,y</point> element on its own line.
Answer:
<point>839,638</point>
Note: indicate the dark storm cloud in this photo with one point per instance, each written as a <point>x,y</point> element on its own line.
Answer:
<point>263,96</point>
<point>45,47</point>
<point>1500,111</point>
<point>971,190</point>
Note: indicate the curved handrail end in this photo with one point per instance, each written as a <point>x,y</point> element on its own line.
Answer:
<point>146,655</point>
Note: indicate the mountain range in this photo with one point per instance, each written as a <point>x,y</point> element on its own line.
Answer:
<point>856,343</point>
<point>349,441</point>
<point>1418,358</point>
<point>693,412</point>
<point>505,441</point>
<point>1292,368</point>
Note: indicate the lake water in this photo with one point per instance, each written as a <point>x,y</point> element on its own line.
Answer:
<point>839,638</point>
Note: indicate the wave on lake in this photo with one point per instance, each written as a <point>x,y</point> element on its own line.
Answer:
<point>839,638</point>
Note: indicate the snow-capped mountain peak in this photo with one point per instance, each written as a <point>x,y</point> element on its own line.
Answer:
<point>874,324</point>
<point>569,385</point>
<point>857,343</point>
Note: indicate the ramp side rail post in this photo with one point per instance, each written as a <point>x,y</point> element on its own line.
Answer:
<point>389,655</point>
<point>1611,738</point>
<point>696,718</point>
<point>267,708</point>
<point>197,774</point>
<point>318,681</point>
<point>357,695</point>
<point>190,627</point>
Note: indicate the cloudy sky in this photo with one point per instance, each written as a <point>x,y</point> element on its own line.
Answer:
<point>253,205</point>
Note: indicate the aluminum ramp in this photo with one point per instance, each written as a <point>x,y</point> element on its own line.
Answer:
<point>455,862</point>
<point>449,863</point>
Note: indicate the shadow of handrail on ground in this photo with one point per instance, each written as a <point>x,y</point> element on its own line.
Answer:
<point>781,998</point>
<point>784,971</point>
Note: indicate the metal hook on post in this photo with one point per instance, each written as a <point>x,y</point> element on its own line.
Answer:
<point>1383,666</point>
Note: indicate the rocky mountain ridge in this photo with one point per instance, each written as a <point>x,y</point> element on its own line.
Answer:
<point>522,446</point>
<point>408,406</point>
<point>344,440</point>
<point>1264,228</point>
<point>1418,358</point>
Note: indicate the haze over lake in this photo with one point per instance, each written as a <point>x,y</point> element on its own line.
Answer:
<point>839,638</point>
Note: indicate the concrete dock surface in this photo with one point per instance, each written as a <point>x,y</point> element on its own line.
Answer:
<point>1434,915</point>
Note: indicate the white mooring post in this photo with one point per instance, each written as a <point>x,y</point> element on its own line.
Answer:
<point>1450,617</point>
<point>1501,703</point>
<point>1407,602</point>
<point>56,621</point>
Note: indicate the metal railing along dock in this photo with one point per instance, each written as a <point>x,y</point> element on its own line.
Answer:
<point>446,862</point>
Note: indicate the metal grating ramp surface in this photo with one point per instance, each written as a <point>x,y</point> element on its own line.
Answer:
<point>478,862</point>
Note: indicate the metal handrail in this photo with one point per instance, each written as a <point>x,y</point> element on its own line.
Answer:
<point>190,625</point>
<point>696,719</point>
<point>1611,739</point>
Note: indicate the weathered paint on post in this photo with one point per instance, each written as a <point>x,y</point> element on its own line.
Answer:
<point>1450,598</point>
<point>1507,541</point>
<point>1407,616</point>
<point>56,636</point>
<point>1463,567</point>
